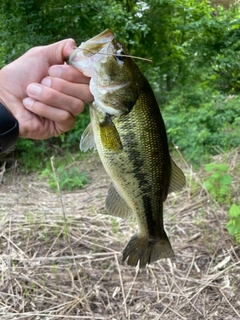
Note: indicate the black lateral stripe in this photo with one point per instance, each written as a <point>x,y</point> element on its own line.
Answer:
<point>148,211</point>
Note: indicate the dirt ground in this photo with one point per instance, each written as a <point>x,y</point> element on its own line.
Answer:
<point>61,259</point>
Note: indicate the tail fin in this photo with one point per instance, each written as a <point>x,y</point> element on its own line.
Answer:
<point>146,250</point>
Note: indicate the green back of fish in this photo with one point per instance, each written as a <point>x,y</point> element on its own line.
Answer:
<point>134,152</point>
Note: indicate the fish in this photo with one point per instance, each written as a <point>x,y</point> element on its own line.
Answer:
<point>128,131</point>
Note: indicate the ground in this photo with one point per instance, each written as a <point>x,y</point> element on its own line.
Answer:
<point>61,259</point>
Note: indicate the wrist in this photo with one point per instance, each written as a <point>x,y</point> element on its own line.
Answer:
<point>9,129</point>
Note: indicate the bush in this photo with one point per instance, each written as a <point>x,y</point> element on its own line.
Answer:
<point>233,224</point>
<point>31,154</point>
<point>219,182</point>
<point>203,124</point>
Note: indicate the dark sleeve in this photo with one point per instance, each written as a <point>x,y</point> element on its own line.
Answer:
<point>9,129</point>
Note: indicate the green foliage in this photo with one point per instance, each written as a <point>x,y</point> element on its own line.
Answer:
<point>202,123</point>
<point>70,140</point>
<point>47,21</point>
<point>219,182</point>
<point>233,224</point>
<point>224,45</point>
<point>196,63</point>
<point>31,154</point>
<point>68,178</point>
<point>115,225</point>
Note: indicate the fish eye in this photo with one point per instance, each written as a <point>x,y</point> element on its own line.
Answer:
<point>119,55</point>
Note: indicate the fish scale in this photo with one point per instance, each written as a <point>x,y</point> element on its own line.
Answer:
<point>128,132</point>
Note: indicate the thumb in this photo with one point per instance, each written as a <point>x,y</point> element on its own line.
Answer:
<point>69,47</point>
<point>57,52</point>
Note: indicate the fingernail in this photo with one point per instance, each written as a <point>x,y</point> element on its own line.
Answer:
<point>46,82</point>
<point>55,71</point>
<point>28,102</point>
<point>34,89</point>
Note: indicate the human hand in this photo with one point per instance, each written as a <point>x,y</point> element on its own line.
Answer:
<point>42,93</point>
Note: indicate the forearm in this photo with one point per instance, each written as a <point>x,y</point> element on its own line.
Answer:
<point>9,129</point>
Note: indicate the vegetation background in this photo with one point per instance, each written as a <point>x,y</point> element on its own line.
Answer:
<point>195,73</point>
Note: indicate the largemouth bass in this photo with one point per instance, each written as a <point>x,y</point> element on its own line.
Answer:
<point>128,132</point>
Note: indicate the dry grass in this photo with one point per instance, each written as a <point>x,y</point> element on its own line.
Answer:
<point>52,268</point>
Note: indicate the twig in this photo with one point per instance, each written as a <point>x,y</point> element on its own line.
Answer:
<point>133,282</point>
<point>67,234</point>
<point>122,286</point>
<point>230,303</point>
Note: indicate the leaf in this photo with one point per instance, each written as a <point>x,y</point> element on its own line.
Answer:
<point>216,176</point>
<point>234,211</point>
<point>231,229</point>
<point>222,167</point>
<point>226,179</point>
<point>208,185</point>
<point>209,167</point>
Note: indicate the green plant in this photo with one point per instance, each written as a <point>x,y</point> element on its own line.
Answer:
<point>69,178</point>
<point>115,225</point>
<point>219,182</point>
<point>233,224</point>
<point>202,122</point>
<point>31,154</point>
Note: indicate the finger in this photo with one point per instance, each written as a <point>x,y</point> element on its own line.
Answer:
<point>70,45</point>
<point>77,90</point>
<point>54,98</point>
<point>62,118</point>
<point>68,73</point>
<point>57,52</point>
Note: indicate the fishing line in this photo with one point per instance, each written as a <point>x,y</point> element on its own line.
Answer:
<point>115,54</point>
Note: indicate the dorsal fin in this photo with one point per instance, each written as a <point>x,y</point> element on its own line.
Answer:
<point>178,180</point>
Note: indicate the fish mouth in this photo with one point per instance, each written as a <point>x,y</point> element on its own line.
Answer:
<point>92,46</point>
<point>90,51</point>
<point>95,44</point>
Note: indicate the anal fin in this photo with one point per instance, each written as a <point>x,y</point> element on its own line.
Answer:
<point>116,205</point>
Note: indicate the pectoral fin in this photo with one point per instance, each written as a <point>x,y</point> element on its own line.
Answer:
<point>87,139</point>
<point>178,180</point>
<point>116,205</point>
<point>110,137</point>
